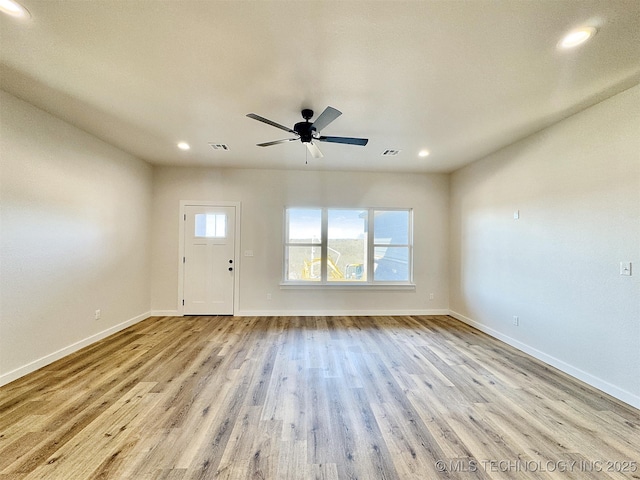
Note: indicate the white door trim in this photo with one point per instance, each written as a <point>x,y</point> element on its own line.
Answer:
<point>181,253</point>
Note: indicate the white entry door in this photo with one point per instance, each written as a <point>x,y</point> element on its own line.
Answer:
<point>209,260</point>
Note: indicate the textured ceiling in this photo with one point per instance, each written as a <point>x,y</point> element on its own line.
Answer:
<point>461,79</point>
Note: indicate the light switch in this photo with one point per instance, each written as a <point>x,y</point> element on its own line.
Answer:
<point>516,215</point>
<point>625,269</point>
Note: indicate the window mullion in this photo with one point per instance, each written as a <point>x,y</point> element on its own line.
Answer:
<point>324,240</point>
<point>285,252</point>
<point>410,246</point>
<point>370,246</point>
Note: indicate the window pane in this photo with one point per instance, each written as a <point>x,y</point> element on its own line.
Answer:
<point>201,225</point>
<point>304,225</point>
<point>347,245</point>
<point>391,227</point>
<point>220,225</point>
<point>391,264</point>
<point>210,225</point>
<point>302,263</point>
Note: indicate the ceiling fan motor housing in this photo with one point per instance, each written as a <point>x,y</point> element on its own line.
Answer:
<point>305,130</point>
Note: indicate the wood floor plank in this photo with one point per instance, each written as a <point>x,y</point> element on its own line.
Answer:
<point>292,461</point>
<point>320,437</point>
<point>388,397</point>
<point>253,450</point>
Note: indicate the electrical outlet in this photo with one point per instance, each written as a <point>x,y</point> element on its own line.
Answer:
<point>431,297</point>
<point>268,296</point>
<point>97,315</point>
<point>516,321</point>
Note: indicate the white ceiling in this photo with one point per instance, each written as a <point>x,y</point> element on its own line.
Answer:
<point>460,78</point>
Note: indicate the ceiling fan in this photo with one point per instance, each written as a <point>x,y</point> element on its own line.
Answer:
<point>308,132</point>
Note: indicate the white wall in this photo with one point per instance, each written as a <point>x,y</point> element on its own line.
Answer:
<point>577,187</point>
<point>74,225</point>
<point>263,195</point>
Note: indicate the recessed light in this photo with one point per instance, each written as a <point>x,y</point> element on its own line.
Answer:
<point>423,153</point>
<point>14,9</point>
<point>577,37</point>
<point>182,145</point>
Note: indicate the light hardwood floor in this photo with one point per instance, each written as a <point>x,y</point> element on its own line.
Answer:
<point>420,397</point>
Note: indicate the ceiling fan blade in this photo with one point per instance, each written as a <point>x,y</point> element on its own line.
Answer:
<point>347,140</point>
<point>269,122</point>
<point>325,118</point>
<point>276,142</point>
<point>314,150</point>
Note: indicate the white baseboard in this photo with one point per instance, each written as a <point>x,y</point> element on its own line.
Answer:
<point>63,352</point>
<point>614,391</point>
<point>336,313</point>
<point>164,313</point>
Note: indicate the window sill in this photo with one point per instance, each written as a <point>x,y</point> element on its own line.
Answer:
<point>346,286</point>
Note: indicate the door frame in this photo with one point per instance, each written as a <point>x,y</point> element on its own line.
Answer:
<point>181,253</point>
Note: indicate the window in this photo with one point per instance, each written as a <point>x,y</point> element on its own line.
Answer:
<point>348,246</point>
<point>210,225</point>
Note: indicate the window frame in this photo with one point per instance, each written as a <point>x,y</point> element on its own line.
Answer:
<point>370,283</point>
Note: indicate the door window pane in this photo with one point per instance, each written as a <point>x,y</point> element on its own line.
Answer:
<point>210,225</point>
<point>347,245</point>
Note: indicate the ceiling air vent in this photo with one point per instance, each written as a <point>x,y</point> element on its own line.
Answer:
<point>390,153</point>
<point>219,146</point>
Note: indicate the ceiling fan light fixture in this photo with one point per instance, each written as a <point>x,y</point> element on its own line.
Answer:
<point>182,145</point>
<point>423,153</point>
<point>14,9</point>
<point>576,37</point>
